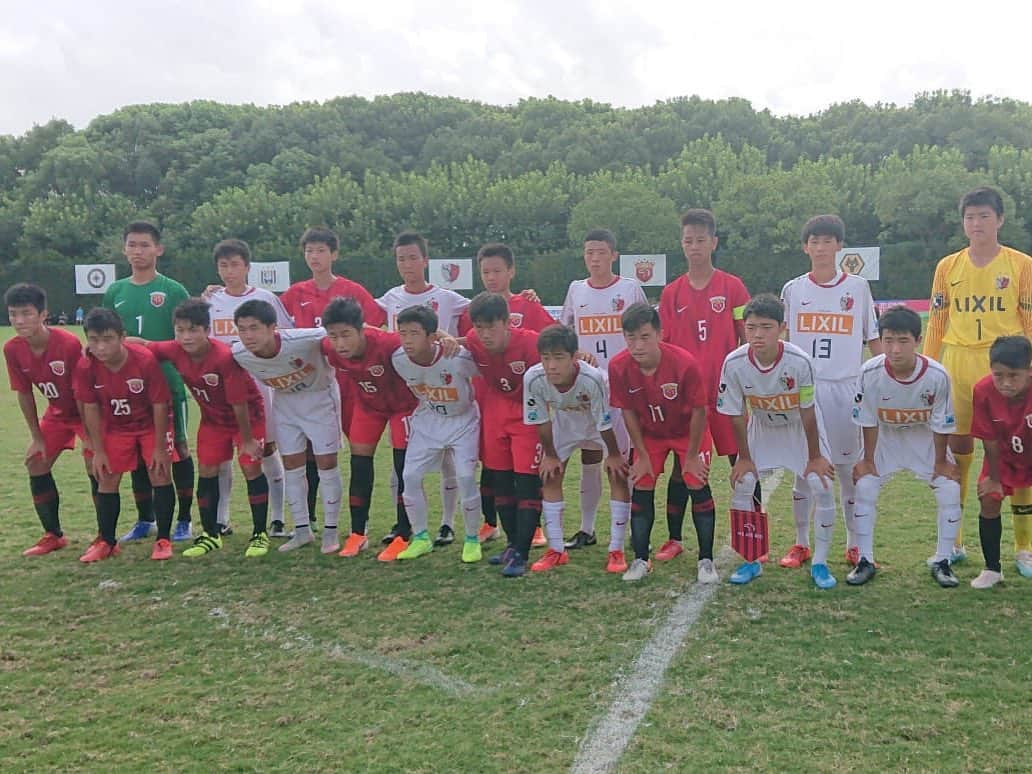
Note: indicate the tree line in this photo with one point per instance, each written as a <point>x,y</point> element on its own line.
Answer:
<point>536,175</point>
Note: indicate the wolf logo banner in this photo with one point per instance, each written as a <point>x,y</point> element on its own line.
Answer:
<point>750,536</point>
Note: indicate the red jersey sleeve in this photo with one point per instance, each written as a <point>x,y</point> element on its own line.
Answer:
<point>981,412</point>
<point>235,380</point>
<point>666,312</point>
<point>19,381</point>
<point>475,345</point>
<point>618,386</point>
<point>289,300</point>
<point>536,318</point>
<point>82,382</point>
<point>465,323</point>
<point>372,313</point>
<point>163,350</point>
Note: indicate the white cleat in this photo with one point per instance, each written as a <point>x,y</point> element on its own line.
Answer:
<point>330,540</point>
<point>639,569</point>
<point>707,572</point>
<point>987,579</point>
<point>302,537</point>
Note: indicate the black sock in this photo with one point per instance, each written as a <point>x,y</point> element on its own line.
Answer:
<point>258,498</point>
<point>528,511</point>
<point>677,504</point>
<point>404,526</point>
<point>183,478</point>
<point>164,506</point>
<point>990,531</point>
<point>487,496</point>
<point>360,492</point>
<point>505,501</point>
<point>94,488</point>
<point>47,502</point>
<point>143,494</point>
<point>704,517</point>
<point>643,515</point>
<point>312,474</point>
<point>208,504</point>
<point>108,505</point>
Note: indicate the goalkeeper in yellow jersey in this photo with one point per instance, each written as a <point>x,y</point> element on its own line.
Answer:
<point>978,294</point>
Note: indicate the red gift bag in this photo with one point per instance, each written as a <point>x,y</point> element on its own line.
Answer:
<point>750,536</point>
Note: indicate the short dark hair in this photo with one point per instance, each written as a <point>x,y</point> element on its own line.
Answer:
<point>601,235</point>
<point>496,250</point>
<point>700,217</point>
<point>637,315</point>
<point>142,227</point>
<point>260,310</point>
<point>901,320</point>
<point>100,320</point>
<point>343,311</point>
<point>320,235</point>
<point>983,196</point>
<point>1011,351</point>
<point>194,311</point>
<point>227,248</point>
<point>488,307</point>
<point>557,338</point>
<point>423,316</point>
<point>765,305</point>
<point>26,294</point>
<point>825,225</point>
<point>411,238</point>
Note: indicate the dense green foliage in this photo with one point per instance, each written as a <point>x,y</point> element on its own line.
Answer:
<point>535,174</point>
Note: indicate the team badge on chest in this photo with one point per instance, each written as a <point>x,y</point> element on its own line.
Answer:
<point>617,303</point>
<point>516,319</point>
<point>518,366</point>
<point>446,377</point>
<point>1002,282</point>
<point>787,381</point>
<point>157,299</point>
<point>57,367</point>
<point>846,302</point>
<point>669,390</point>
<point>376,370</point>
<point>135,385</point>
<point>718,303</point>
<point>212,380</point>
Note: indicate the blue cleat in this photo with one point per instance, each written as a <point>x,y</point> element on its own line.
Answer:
<point>516,568</point>
<point>140,531</point>
<point>182,532</point>
<point>504,557</point>
<point>746,572</point>
<point>822,576</point>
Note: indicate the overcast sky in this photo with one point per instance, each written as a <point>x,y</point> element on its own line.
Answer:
<point>76,60</point>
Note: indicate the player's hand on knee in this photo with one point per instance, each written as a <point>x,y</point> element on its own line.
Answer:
<point>696,468</point>
<point>101,466</point>
<point>820,467</point>
<point>988,488</point>
<point>640,468</point>
<point>742,468</point>
<point>616,465</point>
<point>948,470</point>
<point>864,468</point>
<point>549,467</point>
<point>37,448</point>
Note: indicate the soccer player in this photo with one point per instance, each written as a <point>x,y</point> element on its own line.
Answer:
<point>306,300</point>
<point>306,406</point>
<point>412,258</point>
<point>232,415</point>
<point>145,300</point>
<point>125,403</point>
<point>509,449</point>
<point>830,316</point>
<point>363,353</point>
<point>45,358</point>
<point>568,401</point>
<point>978,294</point>
<point>592,308</point>
<point>233,262</point>
<point>903,407</point>
<point>767,388</point>
<point>446,420</point>
<point>1002,418</point>
<point>660,389</point>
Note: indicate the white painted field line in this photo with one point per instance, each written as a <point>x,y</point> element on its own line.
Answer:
<point>634,691</point>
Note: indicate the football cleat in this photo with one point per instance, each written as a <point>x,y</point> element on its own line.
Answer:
<point>550,560</point>
<point>162,550</point>
<point>390,553</point>
<point>140,531</point>
<point>1023,562</point>
<point>417,547</point>
<point>852,556</point>
<point>389,537</point>
<point>638,570</point>
<point>354,544</point>
<point>445,536</point>
<point>987,579</point>
<point>277,530</point>
<point>539,539</point>
<point>301,537</point>
<point>225,530</point>
<point>203,544</point>
<point>487,532</point>
<point>958,555</point>
<point>330,540</point>
<point>471,550</point>
<point>503,557</point>
<point>617,562</point>
<point>99,550</point>
<point>796,555</point>
<point>746,572</point>
<point>580,539</point>
<point>707,573</point>
<point>943,574</point>
<point>49,542</point>
<point>516,568</point>
<point>822,577</point>
<point>257,546</point>
<point>183,531</point>
<point>669,550</point>
<point>861,573</point>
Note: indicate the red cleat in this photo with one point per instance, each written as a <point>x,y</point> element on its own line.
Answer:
<point>852,556</point>
<point>99,550</point>
<point>49,542</point>
<point>617,562</point>
<point>162,549</point>
<point>796,555</point>
<point>551,559</point>
<point>395,547</point>
<point>487,532</point>
<point>670,550</point>
<point>539,539</point>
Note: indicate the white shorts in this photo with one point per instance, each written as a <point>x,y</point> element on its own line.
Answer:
<point>432,436</point>
<point>836,399</point>
<point>910,449</point>
<point>782,447</point>
<point>306,417</point>
<point>577,430</point>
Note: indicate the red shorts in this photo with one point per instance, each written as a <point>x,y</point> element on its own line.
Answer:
<point>215,444</point>
<point>722,432</point>
<point>60,436</point>
<point>124,450</point>
<point>660,448</point>
<point>367,427</point>
<point>505,442</point>
<point>347,401</point>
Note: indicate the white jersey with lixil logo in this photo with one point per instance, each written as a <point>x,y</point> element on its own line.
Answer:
<point>579,415</point>
<point>831,322</point>
<point>595,315</point>
<point>907,411</point>
<point>224,306</point>
<point>447,305</point>
<point>443,388</point>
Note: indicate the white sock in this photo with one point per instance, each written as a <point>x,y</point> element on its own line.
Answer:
<point>225,491</point>
<point>947,499</point>
<point>471,515</point>
<point>590,495</point>
<point>449,490</point>
<point>866,515</point>
<point>619,515</point>
<point>552,514</point>
<point>742,498</point>
<point>847,491</point>
<point>415,504</point>
<point>295,485</point>
<point>823,519</point>
<point>272,467</point>
<point>331,490</point>
<point>801,511</point>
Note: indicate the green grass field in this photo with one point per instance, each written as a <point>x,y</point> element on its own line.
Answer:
<point>306,662</point>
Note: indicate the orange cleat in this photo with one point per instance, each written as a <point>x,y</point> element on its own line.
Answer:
<point>551,559</point>
<point>49,542</point>
<point>354,544</point>
<point>99,550</point>
<point>487,532</point>
<point>617,562</point>
<point>395,547</point>
<point>539,539</point>
<point>796,555</point>
<point>852,556</point>
<point>670,550</point>
<point>162,549</point>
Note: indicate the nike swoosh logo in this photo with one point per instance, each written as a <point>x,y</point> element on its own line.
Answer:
<point>581,306</point>
<point>747,386</point>
<point>118,304</point>
<point>98,386</point>
<point>955,283</point>
<point>681,309</point>
<point>305,303</point>
<point>805,303</point>
<point>633,390</point>
<point>888,398</point>
<point>952,521</point>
